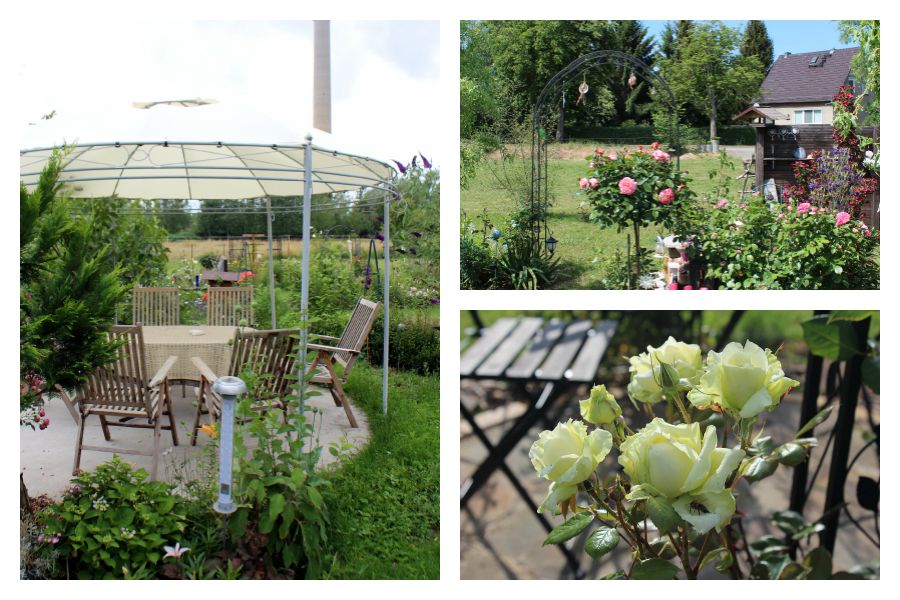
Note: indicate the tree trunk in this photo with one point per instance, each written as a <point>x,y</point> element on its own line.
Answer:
<point>637,254</point>
<point>713,132</point>
<point>24,498</point>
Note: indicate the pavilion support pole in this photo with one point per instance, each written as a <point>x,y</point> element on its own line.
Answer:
<point>387,300</point>
<point>269,218</point>
<point>304,281</point>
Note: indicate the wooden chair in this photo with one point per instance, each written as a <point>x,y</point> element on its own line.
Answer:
<point>229,305</point>
<point>155,306</point>
<point>270,354</point>
<point>122,391</point>
<point>344,353</point>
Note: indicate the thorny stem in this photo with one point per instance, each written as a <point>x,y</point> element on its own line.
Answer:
<point>729,543</point>
<point>682,555</point>
<point>750,561</point>
<point>685,416</point>
<point>702,554</point>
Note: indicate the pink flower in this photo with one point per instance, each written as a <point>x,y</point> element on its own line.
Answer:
<point>803,207</point>
<point>627,186</point>
<point>742,206</point>
<point>813,210</point>
<point>599,151</point>
<point>592,165</point>
<point>666,196</point>
<point>868,233</point>
<point>841,219</point>
<point>704,289</point>
<point>613,156</point>
<point>722,203</point>
<point>654,146</point>
<point>688,287</point>
<point>673,285</point>
<point>593,183</point>
<point>174,551</point>
<point>780,216</point>
<point>583,183</point>
<point>660,155</point>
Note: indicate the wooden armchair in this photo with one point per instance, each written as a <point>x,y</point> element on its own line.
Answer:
<point>155,306</point>
<point>121,392</point>
<point>344,352</point>
<point>229,305</point>
<point>270,354</point>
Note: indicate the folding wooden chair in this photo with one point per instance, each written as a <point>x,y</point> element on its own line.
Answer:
<point>229,305</point>
<point>344,353</point>
<point>120,392</point>
<point>155,306</point>
<point>270,354</point>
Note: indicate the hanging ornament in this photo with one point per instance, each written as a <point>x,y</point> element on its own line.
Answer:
<point>632,81</point>
<point>582,91</point>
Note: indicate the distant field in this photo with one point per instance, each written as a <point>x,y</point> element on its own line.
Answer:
<point>191,249</point>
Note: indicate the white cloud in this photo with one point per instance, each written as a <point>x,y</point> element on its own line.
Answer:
<point>384,84</point>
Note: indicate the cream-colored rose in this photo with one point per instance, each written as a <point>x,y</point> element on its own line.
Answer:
<point>675,463</point>
<point>743,379</point>
<point>645,368</point>
<point>567,456</point>
<point>601,408</point>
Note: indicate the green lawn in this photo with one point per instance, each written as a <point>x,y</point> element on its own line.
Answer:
<point>385,504</point>
<point>583,246</point>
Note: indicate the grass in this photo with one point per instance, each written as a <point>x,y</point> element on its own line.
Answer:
<point>583,247</point>
<point>384,503</point>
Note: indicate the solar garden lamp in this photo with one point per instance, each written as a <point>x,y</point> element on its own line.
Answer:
<point>551,244</point>
<point>229,388</point>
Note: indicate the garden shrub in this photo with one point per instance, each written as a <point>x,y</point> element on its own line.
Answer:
<point>415,344</point>
<point>208,260</point>
<point>112,522</point>
<point>756,246</point>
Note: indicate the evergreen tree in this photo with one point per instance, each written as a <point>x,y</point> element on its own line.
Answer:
<point>757,43</point>
<point>630,37</point>
<point>667,45</point>
<point>683,31</point>
<point>67,293</point>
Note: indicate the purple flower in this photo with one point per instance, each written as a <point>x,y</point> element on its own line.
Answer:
<point>413,163</point>
<point>412,251</point>
<point>401,168</point>
<point>425,162</point>
<point>434,300</point>
<point>379,237</point>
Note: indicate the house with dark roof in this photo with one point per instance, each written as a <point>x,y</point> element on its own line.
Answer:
<point>799,88</point>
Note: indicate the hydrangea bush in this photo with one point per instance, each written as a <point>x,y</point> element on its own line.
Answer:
<point>674,500</point>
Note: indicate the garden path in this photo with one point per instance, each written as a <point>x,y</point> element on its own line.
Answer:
<point>46,456</point>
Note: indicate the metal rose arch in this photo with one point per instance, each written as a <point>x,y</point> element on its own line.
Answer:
<point>555,88</point>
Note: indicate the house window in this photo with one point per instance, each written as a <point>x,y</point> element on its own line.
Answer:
<point>807,116</point>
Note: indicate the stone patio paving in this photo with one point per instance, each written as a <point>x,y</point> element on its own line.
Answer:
<point>46,457</point>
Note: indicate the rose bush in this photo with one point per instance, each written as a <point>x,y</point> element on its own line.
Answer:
<point>679,472</point>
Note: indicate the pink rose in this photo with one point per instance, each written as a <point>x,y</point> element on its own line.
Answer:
<point>704,289</point>
<point>813,210</point>
<point>613,156</point>
<point>660,155</point>
<point>599,151</point>
<point>627,186</point>
<point>688,287</point>
<point>803,207</point>
<point>868,233</point>
<point>593,183</point>
<point>722,203</point>
<point>583,183</point>
<point>841,218</point>
<point>780,216</point>
<point>666,196</point>
<point>673,285</point>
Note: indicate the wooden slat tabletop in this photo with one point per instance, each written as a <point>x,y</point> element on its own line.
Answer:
<point>584,369</point>
<point>531,359</point>
<point>490,338</point>
<point>506,353</point>
<point>564,352</point>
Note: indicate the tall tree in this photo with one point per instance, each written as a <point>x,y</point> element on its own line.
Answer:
<point>757,43</point>
<point>631,96</point>
<point>528,53</point>
<point>667,41</point>
<point>710,74</point>
<point>867,62</point>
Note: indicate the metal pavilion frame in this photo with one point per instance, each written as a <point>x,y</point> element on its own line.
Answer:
<point>334,181</point>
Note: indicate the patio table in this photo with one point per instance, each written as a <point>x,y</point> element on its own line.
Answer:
<point>211,343</point>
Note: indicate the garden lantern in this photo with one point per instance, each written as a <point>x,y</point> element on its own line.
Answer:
<point>551,244</point>
<point>229,388</point>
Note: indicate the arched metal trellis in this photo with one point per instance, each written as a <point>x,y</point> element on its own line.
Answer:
<point>555,88</point>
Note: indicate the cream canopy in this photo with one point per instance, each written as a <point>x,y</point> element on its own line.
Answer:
<point>204,170</point>
<point>224,171</point>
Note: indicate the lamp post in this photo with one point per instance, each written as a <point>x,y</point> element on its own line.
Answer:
<point>228,388</point>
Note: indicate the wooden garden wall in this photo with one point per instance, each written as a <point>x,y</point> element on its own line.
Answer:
<point>778,156</point>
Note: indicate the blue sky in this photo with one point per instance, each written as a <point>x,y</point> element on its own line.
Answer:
<point>787,36</point>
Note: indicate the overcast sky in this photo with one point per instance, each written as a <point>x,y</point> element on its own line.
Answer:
<point>385,78</point>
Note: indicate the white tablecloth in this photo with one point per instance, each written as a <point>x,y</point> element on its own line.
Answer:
<point>211,345</point>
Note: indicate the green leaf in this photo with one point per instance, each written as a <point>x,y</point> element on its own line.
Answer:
<point>620,574</point>
<point>662,514</point>
<point>713,556</point>
<point>820,417</point>
<point>792,571</point>
<point>871,373</point>
<point>654,568</point>
<point>791,454</point>
<point>569,529</point>
<point>276,504</point>
<point>835,341</point>
<point>818,561</point>
<point>759,468</point>
<point>763,445</point>
<point>850,315</point>
<point>788,521</point>
<point>601,542</point>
